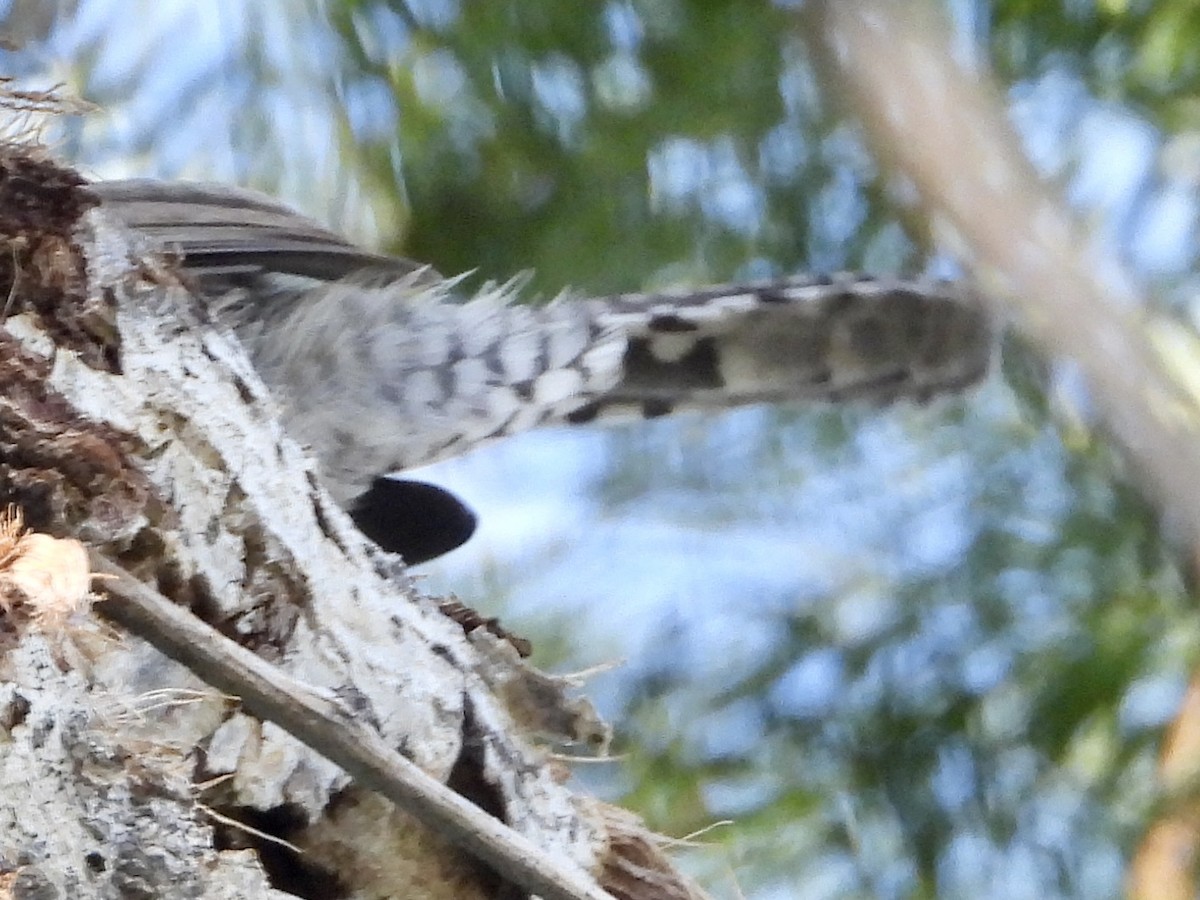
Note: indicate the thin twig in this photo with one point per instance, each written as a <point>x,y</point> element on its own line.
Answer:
<point>324,726</point>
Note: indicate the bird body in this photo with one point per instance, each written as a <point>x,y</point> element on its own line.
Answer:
<point>381,364</point>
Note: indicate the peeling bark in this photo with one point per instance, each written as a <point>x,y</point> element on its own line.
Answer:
<point>131,423</point>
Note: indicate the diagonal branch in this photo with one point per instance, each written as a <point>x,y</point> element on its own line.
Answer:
<point>326,726</point>
<point>943,127</point>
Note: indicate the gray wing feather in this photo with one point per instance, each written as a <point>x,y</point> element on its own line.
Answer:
<point>226,231</point>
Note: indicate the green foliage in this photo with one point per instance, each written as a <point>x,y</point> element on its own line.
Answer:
<point>559,138</point>
<point>1147,53</point>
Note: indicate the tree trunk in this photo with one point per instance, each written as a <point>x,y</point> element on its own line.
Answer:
<point>130,424</point>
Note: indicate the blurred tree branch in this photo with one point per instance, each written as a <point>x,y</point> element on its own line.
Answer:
<point>942,127</point>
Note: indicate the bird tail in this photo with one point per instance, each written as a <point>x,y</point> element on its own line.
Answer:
<point>381,365</point>
<point>828,339</point>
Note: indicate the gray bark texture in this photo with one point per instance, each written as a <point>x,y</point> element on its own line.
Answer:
<point>136,430</point>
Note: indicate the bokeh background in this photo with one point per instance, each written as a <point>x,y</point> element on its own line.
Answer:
<point>903,653</point>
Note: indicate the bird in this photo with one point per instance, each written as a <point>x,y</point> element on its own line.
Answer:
<point>381,364</point>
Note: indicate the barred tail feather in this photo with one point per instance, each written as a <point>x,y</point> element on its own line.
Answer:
<point>830,339</point>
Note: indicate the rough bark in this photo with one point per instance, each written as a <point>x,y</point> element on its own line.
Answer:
<point>131,424</point>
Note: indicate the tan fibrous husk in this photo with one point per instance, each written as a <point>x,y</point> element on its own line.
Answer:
<point>46,577</point>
